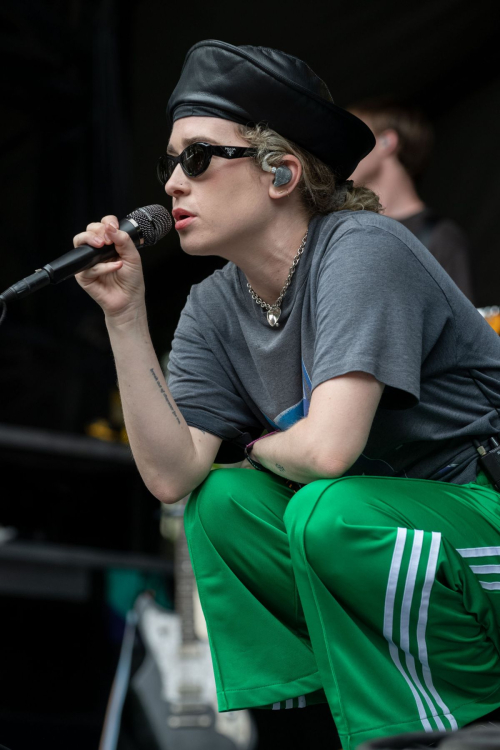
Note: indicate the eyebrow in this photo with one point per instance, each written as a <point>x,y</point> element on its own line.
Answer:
<point>193,139</point>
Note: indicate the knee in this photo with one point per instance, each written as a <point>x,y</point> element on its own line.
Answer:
<point>325,519</point>
<point>333,498</point>
<point>212,503</point>
<point>227,499</point>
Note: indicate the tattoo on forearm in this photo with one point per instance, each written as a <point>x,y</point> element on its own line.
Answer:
<point>280,467</point>
<point>164,394</point>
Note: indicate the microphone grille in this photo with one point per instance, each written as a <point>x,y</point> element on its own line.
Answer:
<point>154,222</point>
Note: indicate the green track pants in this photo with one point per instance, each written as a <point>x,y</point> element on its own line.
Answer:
<point>382,594</point>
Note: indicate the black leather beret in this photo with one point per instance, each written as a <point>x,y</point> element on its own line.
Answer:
<point>251,85</point>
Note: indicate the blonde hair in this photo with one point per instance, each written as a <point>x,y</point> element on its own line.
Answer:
<point>319,188</point>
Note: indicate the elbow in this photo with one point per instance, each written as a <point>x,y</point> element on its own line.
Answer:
<point>328,465</point>
<point>170,487</point>
<point>169,499</point>
<point>167,492</point>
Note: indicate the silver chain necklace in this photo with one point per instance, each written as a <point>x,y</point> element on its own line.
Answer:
<point>274,310</point>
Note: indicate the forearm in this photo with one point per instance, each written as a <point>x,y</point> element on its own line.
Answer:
<point>160,439</point>
<point>332,437</point>
<point>294,454</point>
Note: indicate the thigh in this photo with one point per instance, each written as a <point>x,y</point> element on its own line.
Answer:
<point>241,558</point>
<point>383,569</point>
<point>355,517</point>
<point>241,513</point>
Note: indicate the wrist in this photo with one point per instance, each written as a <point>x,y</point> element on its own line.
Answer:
<point>250,455</point>
<point>131,318</point>
<point>255,464</point>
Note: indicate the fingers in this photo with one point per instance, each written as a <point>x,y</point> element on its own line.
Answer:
<point>115,236</point>
<point>99,270</point>
<point>111,232</point>
<point>90,238</point>
<point>96,227</point>
<point>110,219</point>
<point>96,232</point>
<point>100,233</point>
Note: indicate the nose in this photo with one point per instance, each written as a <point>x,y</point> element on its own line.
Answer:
<point>178,184</point>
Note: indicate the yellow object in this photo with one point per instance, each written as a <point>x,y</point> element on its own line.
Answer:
<point>101,429</point>
<point>494,322</point>
<point>492,316</point>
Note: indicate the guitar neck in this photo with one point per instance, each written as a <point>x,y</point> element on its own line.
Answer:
<point>184,588</point>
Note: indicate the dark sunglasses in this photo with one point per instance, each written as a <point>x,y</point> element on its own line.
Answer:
<point>195,159</point>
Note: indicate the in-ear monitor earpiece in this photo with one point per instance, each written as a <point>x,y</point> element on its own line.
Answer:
<point>282,175</point>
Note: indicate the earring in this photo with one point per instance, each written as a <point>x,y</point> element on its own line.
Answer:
<point>282,175</point>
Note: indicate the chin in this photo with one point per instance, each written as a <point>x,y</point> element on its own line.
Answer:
<point>190,246</point>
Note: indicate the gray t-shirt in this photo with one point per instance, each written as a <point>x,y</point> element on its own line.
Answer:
<point>366,296</point>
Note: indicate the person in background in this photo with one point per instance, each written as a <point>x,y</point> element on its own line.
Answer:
<point>404,141</point>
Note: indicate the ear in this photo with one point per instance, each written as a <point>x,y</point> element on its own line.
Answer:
<point>277,192</point>
<point>388,141</point>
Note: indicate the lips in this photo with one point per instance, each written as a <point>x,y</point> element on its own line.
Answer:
<point>182,217</point>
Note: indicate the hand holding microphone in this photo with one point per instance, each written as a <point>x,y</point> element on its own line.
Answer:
<point>116,281</point>
<point>106,259</point>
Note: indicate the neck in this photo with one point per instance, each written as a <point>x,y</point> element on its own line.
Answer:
<point>267,261</point>
<point>397,192</point>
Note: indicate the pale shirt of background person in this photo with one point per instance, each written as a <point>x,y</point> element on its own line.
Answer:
<point>404,141</point>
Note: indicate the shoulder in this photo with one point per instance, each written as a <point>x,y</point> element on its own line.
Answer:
<point>359,249</point>
<point>367,235</point>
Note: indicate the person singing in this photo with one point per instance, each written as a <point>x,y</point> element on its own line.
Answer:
<point>358,560</point>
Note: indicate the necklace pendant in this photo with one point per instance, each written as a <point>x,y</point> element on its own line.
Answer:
<point>273,316</point>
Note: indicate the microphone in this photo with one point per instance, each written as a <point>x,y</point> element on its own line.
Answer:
<point>145,226</point>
